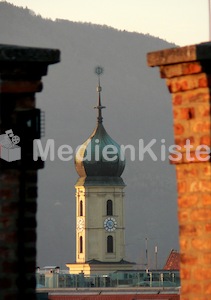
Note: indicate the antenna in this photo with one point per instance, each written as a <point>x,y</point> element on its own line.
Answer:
<point>99,71</point>
<point>146,245</point>
<point>156,257</point>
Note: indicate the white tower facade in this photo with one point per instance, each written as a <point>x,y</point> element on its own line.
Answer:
<point>99,223</point>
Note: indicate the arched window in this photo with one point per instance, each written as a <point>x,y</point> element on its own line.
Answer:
<point>81,244</point>
<point>110,244</point>
<point>109,207</point>
<point>81,208</point>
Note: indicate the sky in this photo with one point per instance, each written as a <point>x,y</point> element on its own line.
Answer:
<point>183,22</point>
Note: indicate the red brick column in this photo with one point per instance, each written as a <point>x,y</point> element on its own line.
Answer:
<point>21,70</point>
<point>188,77</point>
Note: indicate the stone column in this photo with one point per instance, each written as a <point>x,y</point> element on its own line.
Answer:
<point>21,71</point>
<point>188,77</point>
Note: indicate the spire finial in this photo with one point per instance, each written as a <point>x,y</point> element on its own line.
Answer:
<point>99,71</point>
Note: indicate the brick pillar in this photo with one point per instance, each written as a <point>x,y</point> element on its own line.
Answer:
<point>188,77</point>
<point>21,71</point>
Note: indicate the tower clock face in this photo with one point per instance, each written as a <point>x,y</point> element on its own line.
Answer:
<point>110,224</point>
<point>80,224</point>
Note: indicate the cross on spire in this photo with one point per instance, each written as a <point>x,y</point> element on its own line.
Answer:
<point>99,71</point>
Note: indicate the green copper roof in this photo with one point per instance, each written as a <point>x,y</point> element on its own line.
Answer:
<point>99,155</point>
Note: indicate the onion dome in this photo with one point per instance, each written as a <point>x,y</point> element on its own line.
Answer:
<point>99,155</point>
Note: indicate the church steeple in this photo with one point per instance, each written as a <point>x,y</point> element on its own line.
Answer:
<point>100,244</point>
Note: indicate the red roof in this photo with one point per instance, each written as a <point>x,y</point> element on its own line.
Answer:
<point>173,261</point>
<point>116,297</point>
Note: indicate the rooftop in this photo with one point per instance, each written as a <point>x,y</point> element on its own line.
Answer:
<point>117,295</point>
<point>173,261</point>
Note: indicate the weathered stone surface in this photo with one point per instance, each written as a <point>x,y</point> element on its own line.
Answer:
<point>171,56</point>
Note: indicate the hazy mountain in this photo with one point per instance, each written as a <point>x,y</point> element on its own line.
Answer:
<point>138,107</point>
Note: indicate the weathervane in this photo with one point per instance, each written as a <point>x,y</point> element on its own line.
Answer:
<point>99,71</point>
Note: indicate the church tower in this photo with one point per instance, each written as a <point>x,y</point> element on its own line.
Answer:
<point>100,229</point>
